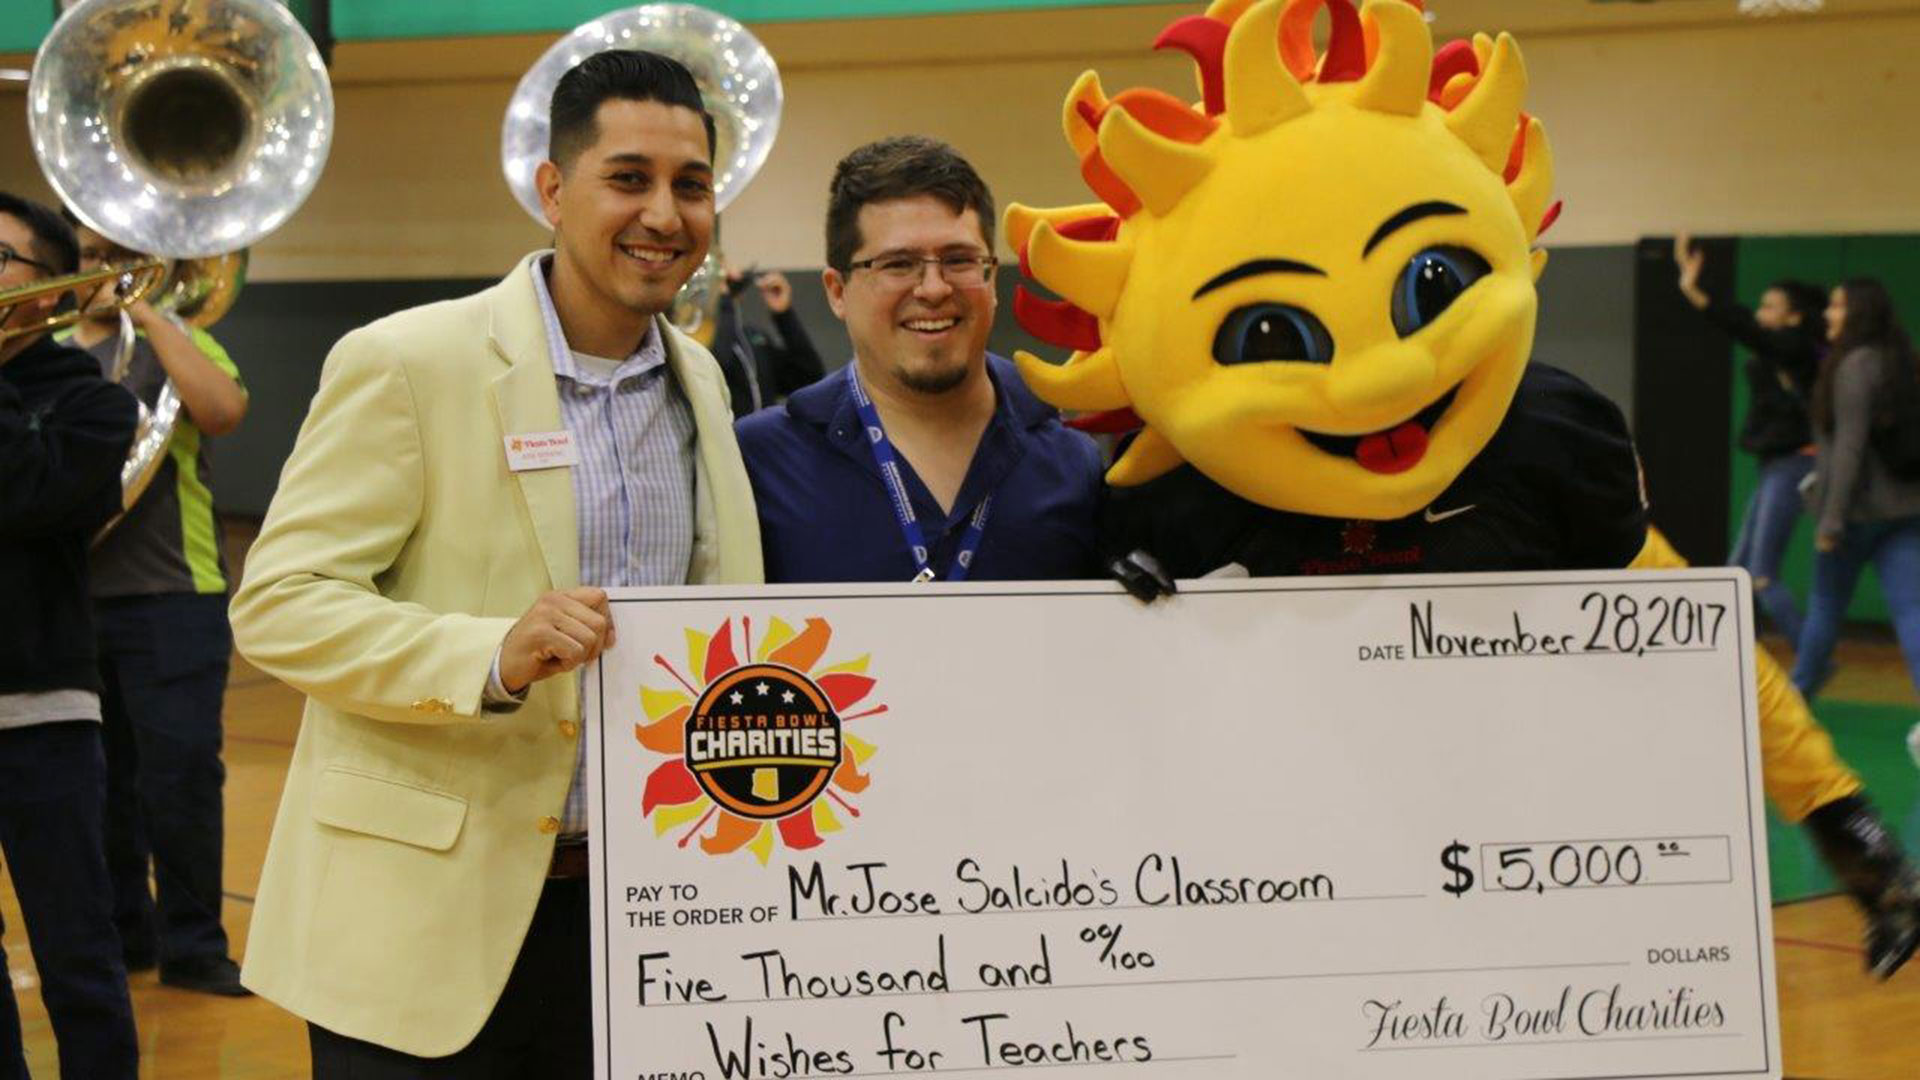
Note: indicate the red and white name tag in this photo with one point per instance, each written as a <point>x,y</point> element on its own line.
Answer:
<point>541,450</point>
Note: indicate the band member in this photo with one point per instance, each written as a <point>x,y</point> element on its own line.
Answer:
<point>470,476</point>
<point>936,460</point>
<point>1340,381</point>
<point>160,608</point>
<point>64,435</point>
<point>762,369</point>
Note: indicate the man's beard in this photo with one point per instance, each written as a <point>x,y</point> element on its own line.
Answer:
<point>936,381</point>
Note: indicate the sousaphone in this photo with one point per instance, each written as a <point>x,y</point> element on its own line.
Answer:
<point>186,130</point>
<point>739,83</point>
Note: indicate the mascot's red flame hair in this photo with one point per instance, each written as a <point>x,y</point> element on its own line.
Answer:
<point>1183,186</point>
<point>1353,46</point>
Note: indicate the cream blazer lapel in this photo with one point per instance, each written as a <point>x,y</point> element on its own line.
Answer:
<point>527,401</point>
<point>726,534</point>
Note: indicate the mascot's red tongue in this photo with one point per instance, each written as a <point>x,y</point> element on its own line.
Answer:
<point>1393,451</point>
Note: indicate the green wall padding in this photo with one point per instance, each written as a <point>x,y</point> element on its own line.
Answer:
<point>1823,260</point>
<point>362,20</point>
<point>23,23</point>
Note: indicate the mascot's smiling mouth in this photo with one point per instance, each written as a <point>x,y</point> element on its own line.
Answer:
<point>1389,450</point>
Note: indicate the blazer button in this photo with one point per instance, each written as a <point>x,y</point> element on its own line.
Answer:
<point>549,825</point>
<point>568,729</point>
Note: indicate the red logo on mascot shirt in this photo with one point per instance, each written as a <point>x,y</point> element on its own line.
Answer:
<point>1359,552</point>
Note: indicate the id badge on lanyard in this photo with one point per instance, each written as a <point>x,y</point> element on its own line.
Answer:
<point>889,463</point>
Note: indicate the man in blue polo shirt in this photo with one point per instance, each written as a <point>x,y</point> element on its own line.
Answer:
<point>925,458</point>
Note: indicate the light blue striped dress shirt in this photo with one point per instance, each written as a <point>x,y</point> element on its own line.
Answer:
<point>633,493</point>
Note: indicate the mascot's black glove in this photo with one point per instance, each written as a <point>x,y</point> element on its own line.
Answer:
<point>1141,574</point>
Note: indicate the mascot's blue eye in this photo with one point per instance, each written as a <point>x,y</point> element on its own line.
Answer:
<point>1430,283</point>
<point>1258,333</point>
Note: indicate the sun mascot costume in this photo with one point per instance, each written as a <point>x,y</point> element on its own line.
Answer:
<point>1308,303</point>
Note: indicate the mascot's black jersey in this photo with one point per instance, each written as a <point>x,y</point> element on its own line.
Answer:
<point>1557,488</point>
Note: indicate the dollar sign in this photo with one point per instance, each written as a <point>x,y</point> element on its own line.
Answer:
<point>1462,877</point>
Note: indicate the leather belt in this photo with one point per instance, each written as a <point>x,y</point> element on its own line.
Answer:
<point>569,860</point>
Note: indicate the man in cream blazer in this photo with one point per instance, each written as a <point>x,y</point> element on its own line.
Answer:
<point>417,830</point>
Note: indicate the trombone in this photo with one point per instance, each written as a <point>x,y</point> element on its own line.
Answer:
<point>98,292</point>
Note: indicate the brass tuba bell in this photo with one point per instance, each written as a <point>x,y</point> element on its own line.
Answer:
<point>185,130</point>
<point>739,83</point>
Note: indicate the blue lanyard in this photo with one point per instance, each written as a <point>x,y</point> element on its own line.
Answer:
<point>889,462</point>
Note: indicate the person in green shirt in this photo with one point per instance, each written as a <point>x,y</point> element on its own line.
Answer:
<point>159,583</point>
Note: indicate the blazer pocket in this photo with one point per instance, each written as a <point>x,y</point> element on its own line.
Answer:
<point>390,809</point>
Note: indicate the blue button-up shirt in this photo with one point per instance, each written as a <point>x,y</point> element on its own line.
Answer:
<point>633,494</point>
<point>825,514</point>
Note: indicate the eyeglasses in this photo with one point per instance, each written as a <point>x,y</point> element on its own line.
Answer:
<point>8,255</point>
<point>900,271</point>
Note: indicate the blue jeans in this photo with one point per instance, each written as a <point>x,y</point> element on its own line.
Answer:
<point>52,792</point>
<point>1772,513</point>
<point>1894,549</point>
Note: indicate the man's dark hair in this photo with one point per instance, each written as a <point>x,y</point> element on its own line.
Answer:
<point>899,168</point>
<point>616,75</point>
<point>53,239</point>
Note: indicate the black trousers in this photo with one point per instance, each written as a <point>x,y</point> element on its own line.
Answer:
<point>541,1029</point>
<point>164,662</point>
<point>52,785</point>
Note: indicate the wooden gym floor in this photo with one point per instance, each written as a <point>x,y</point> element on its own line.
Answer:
<point>1836,1023</point>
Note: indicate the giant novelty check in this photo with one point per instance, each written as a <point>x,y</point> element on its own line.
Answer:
<point>1490,827</point>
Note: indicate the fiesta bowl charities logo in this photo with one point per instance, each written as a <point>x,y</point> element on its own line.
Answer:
<point>760,752</point>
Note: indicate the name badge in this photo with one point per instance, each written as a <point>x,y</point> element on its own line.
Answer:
<point>541,450</point>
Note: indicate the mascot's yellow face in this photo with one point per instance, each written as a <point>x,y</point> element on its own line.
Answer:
<point>1317,287</point>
